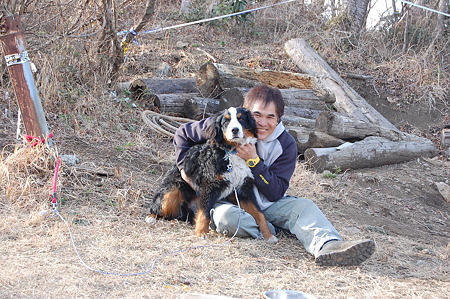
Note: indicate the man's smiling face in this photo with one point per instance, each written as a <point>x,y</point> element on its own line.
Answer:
<point>266,118</point>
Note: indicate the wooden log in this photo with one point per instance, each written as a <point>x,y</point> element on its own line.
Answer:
<point>211,82</point>
<point>207,81</point>
<point>293,95</point>
<point>343,127</point>
<point>279,79</point>
<point>302,112</point>
<point>199,108</point>
<point>445,138</point>
<point>162,86</point>
<point>173,102</point>
<point>231,97</point>
<point>370,152</point>
<point>297,121</point>
<point>348,101</point>
<point>301,135</point>
<point>185,104</point>
<point>192,105</point>
<point>445,141</point>
<point>320,139</point>
<point>299,98</point>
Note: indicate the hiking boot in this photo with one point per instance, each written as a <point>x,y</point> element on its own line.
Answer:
<point>345,253</point>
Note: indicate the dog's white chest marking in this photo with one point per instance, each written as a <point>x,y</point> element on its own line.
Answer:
<point>239,171</point>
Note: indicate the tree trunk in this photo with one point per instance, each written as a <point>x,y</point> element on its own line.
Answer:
<point>357,14</point>
<point>149,10</point>
<point>109,51</point>
<point>370,152</point>
<point>440,24</point>
<point>348,101</point>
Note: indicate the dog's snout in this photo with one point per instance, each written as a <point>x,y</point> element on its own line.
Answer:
<point>235,131</point>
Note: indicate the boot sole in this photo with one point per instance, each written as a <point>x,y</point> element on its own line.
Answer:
<point>351,256</point>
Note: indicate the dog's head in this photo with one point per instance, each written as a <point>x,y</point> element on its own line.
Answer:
<point>235,126</point>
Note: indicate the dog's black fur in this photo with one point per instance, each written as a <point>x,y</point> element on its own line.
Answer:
<point>213,175</point>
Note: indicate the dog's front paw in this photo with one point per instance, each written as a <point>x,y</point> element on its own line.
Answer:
<point>202,234</point>
<point>272,240</point>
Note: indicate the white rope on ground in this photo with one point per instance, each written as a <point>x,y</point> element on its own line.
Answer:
<point>152,267</point>
<point>163,124</point>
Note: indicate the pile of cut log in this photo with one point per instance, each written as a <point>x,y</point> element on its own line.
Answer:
<point>335,128</point>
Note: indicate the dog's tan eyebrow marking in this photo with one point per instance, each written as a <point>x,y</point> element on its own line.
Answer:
<point>228,116</point>
<point>239,115</point>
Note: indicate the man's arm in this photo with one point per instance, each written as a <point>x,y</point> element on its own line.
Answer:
<point>273,181</point>
<point>188,135</point>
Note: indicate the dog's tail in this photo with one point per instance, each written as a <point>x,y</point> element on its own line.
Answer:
<point>173,198</point>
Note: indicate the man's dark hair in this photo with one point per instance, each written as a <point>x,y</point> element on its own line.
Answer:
<point>267,95</point>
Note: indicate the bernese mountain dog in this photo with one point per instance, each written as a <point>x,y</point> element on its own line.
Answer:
<point>216,173</point>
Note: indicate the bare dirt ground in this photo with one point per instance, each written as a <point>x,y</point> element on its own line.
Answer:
<point>121,163</point>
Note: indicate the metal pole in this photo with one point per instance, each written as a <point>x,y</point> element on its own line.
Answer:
<point>19,68</point>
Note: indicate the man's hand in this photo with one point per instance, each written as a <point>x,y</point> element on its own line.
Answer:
<point>247,151</point>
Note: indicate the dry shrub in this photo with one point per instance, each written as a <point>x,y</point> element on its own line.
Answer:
<point>26,175</point>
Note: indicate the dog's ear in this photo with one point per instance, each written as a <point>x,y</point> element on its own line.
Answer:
<point>214,131</point>
<point>252,123</point>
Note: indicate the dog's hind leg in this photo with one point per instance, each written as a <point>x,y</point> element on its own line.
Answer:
<point>171,203</point>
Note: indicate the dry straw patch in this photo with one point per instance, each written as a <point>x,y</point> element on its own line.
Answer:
<point>27,174</point>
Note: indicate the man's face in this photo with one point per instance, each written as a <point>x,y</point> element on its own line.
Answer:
<point>266,119</point>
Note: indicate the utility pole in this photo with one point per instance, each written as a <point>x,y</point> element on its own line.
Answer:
<point>19,68</point>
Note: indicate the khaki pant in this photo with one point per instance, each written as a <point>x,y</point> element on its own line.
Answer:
<point>300,216</point>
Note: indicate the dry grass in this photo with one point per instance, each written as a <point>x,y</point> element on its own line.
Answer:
<point>26,175</point>
<point>108,239</point>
